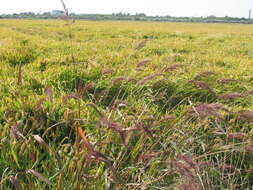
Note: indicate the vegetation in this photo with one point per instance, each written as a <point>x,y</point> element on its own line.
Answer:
<point>125,105</point>
<point>130,17</point>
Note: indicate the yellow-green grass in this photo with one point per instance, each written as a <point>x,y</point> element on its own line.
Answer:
<point>61,57</point>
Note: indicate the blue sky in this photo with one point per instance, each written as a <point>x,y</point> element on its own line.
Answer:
<point>237,8</point>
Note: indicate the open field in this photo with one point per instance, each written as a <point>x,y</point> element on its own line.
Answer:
<point>125,105</point>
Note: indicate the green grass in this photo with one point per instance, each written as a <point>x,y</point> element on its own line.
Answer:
<point>125,128</point>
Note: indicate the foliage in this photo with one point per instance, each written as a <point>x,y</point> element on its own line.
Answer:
<point>131,17</point>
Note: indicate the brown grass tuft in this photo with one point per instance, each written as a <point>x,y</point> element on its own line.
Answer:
<point>205,74</point>
<point>237,136</point>
<point>250,170</point>
<point>39,176</point>
<point>146,157</point>
<point>248,93</point>
<point>203,111</point>
<point>226,81</point>
<point>140,126</point>
<point>116,127</point>
<point>49,92</point>
<point>172,67</point>
<point>204,164</point>
<point>141,45</point>
<point>43,143</point>
<point>106,72</point>
<point>231,96</point>
<point>82,89</point>
<point>245,115</point>
<point>187,159</point>
<point>143,63</point>
<point>249,149</point>
<point>202,85</point>
<point>15,132</point>
<point>148,78</point>
<point>120,79</point>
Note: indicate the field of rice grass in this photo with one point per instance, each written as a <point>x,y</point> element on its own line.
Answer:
<point>125,105</point>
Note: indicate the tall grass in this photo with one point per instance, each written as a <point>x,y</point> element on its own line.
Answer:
<point>139,114</point>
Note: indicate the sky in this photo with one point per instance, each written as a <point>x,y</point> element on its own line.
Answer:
<point>235,8</point>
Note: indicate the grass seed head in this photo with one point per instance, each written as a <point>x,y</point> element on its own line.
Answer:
<point>202,85</point>
<point>205,74</point>
<point>231,96</point>
<point>39,176</point>
<point>120,79</point>
<point>226,81</point>
<point>43,143</point>
<point>248,93</point>
<point>205,110</point>
<point>249,148</point>
<point>172,67</point>
<point>245,115</point>
<point>187,159</point>
<point>49,92</point>
<point>145,157</point>
<point>148,78</point>
<point>106,72</point>
<point>15,132</point>
<point>143,63</point>
<point>82,89</point>
<point>237,136</point>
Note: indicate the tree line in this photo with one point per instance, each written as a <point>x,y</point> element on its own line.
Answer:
<point>130,17</point>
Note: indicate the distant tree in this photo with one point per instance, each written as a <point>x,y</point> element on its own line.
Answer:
<point>140,14</point>
<point>46,13</point>
<point>211,16</point>
<point>27,13</point>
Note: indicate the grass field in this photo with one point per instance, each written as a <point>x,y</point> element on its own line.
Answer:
<point>125,105</point>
